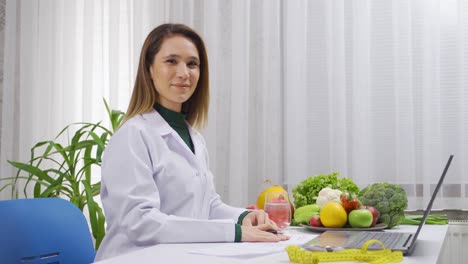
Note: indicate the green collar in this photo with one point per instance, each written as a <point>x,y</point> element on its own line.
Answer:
<point>175,119</point>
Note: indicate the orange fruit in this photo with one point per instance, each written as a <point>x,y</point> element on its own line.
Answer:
<point>333,214</point>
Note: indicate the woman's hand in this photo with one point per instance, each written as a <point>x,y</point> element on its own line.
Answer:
<point>254,228</point>
<point>259,234</point>
<point>258,217</point>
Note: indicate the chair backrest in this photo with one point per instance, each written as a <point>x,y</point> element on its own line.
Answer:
<point>44,230</point>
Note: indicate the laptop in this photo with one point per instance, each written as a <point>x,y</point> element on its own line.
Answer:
<point>405,242</point>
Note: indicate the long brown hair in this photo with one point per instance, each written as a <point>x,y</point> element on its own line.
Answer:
<point>145,96</point>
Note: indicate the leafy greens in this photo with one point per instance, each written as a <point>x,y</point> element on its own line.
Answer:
<point>306,192</point>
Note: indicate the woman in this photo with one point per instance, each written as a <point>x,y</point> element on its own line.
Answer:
<point>156,183</point>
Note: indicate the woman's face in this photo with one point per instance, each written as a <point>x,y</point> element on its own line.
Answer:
<point>175,71</point>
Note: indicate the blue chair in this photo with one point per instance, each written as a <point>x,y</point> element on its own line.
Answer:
<point>45,231</point>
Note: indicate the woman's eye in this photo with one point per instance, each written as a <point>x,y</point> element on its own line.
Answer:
<point>193,64</point>
<point>171,61</point>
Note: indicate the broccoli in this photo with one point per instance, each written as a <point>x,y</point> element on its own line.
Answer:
<point>388,199</point>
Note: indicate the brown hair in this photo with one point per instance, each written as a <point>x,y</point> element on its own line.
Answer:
<point>145,96</point>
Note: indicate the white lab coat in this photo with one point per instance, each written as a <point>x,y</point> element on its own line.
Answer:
<point>154,189</point>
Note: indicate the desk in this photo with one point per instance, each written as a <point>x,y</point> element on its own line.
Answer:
<point>427,250</point>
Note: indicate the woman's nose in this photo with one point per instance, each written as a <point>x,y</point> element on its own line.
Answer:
<point>182,71</point>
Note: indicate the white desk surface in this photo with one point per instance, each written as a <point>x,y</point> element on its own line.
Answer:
<point>427,250</point>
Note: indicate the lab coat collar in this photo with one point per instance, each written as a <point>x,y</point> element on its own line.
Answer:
<point>165,130</point>
<point>154,117</point>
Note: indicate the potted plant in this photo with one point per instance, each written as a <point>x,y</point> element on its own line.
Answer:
<point>58,170</point>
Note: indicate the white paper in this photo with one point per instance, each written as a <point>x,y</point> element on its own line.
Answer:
<point>255,249</point>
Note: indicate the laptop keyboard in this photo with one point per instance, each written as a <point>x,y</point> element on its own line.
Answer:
<point>388,239</point>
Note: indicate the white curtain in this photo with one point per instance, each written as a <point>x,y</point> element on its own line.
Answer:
<point>373,89</point>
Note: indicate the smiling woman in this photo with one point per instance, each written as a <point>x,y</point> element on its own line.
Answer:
<point>157,186</point>
<point>298,87</point>
<point>175,72</point>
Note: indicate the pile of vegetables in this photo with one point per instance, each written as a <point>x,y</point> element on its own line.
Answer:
<point>307,191</point>
<point>387,202</point>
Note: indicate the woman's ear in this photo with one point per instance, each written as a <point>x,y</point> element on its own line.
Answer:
<point>151,72</point>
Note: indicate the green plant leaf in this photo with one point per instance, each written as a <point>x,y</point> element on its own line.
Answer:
<point>87,166</point>
<point>91,204</point>
<point>107,107</point>
<point>96,188</point>
<point>96,217</point>
<point>57,186</point>
<point>116,119</point>
<point>80,145</point>
<point>47,154</point>
<point>37,190</point>
<point>32,170</point>
<point>94,126</point>
<point>12,184</point>
<point>48,192</point>
<point>101,226</point>
<point>115,116</point>
<point>100,150</point>
<point>100,143</point>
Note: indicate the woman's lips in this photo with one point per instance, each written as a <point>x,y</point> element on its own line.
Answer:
<point>182,85</point>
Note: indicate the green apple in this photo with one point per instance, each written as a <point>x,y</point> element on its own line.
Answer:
<point>360,218</point>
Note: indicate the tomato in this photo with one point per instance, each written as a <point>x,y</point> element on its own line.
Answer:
<point>350,202</point>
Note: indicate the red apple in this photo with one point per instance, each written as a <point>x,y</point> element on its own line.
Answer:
<point>374,212</point>
<point>315,221</point>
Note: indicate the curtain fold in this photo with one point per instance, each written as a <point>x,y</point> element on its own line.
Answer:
<point>375,90</point>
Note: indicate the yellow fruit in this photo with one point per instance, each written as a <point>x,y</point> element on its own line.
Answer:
<point>333,214</point>
<point>261,197</point>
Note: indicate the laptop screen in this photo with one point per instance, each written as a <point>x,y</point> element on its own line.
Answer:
<point>429,206</point>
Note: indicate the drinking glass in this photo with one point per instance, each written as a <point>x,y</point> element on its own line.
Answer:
<point>278,208</point>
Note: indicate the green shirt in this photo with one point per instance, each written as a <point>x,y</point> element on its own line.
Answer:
<point>177,121</point>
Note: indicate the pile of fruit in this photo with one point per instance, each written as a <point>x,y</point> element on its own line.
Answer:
<point>336,209</point>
